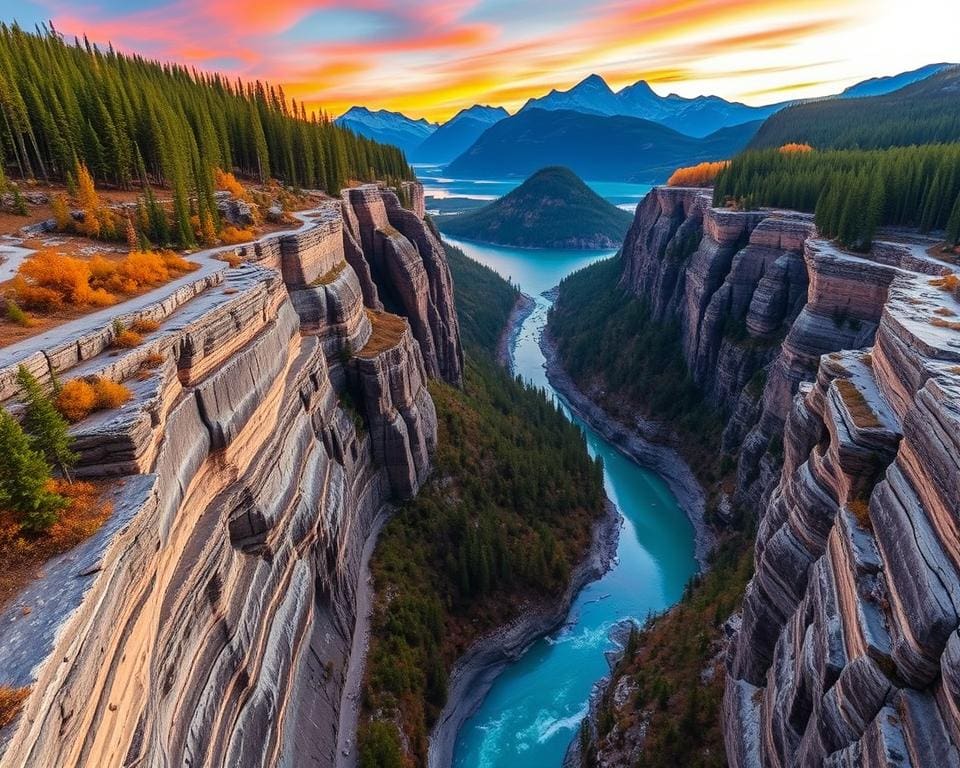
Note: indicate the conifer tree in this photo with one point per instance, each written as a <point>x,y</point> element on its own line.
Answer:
<point>49,432</point>
<point>24,479</point>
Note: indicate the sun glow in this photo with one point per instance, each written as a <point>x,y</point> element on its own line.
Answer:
<point>431,59</point>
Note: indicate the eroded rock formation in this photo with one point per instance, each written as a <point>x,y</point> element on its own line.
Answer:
<point>275,411</point>
<point>839,375</point>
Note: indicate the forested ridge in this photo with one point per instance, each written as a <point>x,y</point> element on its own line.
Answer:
<point>926,112</point>
<point>852,192</point>
<point>134,122</point>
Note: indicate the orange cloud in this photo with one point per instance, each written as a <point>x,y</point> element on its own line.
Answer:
<point>432,59</point>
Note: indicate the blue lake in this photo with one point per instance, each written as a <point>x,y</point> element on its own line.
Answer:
<point>437,185</point>
<point>535,707</point>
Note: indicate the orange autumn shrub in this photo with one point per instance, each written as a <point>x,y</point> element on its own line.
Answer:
<point>228,182</point>
<point>48,280</point>
<point>794,148</point>
<point>176,263</point>
<point>144,325</point>
<point>127,339</point>
<point>110,394</point>
<point>76,400</point>
<point>233,235</point>
<point>700,175</point>
<point>137,270</point>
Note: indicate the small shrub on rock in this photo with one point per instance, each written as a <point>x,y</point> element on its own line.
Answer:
<point>110,394</point>
<point>76,400</point>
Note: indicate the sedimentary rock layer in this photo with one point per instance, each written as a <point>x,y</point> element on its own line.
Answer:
<point>210,621</point>
<point>839,375</point>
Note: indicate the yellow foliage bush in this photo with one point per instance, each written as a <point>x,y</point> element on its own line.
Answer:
<point>700,175</point>
<point>233,235</point>
<point>110,394</point>
<point>227,181</point>
<point>76,400</point>
<point>144,325</point>
<point>48,280</point>
<point>793,148</point>
<point>127,339</point>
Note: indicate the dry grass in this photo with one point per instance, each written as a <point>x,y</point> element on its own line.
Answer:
<point>144,325</point>
<point>387,331</point>
<point>232,258</point>
<point>23,554</point>
<point>152,361</point>
<point>127,339</point>
<point>11,702</point>
<point>331,274</point>
<point>860,509</point>
<point>861,412</point>
<point>939,322</point>
<point>949,283</point>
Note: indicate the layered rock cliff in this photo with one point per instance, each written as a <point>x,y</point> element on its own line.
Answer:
<point>838,380</point>
<point>275,411</point>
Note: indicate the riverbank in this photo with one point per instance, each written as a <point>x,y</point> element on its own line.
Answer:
<point>478,668</point>
<point>522,308</point>
<point>638,442</point>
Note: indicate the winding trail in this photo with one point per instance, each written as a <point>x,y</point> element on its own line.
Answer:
<point>208,263</point>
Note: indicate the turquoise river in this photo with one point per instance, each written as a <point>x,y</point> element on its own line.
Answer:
<point>534,708</point>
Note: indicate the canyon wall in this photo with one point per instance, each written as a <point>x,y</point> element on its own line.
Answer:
<point>839,379</point>
<point>276,410</point>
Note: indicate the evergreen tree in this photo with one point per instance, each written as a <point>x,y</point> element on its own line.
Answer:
<point>49,431</point>
<point>24,477</point>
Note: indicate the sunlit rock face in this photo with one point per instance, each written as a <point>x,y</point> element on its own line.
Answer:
<point>840,379</point>
<point>210,622</point>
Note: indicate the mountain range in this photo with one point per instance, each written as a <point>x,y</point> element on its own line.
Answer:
<point>672,129</point>
<point>595,147</point>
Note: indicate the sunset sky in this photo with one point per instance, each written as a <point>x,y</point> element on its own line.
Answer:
<point>430,59</point>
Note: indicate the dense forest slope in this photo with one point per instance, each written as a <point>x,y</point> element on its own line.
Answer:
<point>852,192</point>
<point>833,379</point>
<point>498,528</point>
<point>595,147</point>
<point>925,112</point>
<point>134,122</point>
<point>551,209</point>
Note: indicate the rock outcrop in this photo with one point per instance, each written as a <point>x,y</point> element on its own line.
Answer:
<point>839,377</point>
<point>275,411</point>
<point>410,270</point>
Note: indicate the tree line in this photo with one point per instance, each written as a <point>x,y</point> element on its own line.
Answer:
<point>852,192</point>
<point>134,122</point>
<point>926,112</point>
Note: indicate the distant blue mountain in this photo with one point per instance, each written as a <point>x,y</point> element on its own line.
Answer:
<point>698,116</point>
<point>878,86</point>
<point>387,127</point>
<point>457,134</point>
<point>595,147</point>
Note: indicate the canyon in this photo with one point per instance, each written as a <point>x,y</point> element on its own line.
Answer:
<point>277,410</point>
<point>836,378</point>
